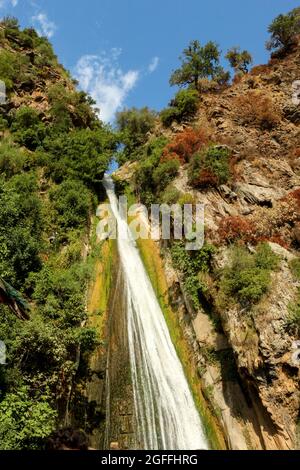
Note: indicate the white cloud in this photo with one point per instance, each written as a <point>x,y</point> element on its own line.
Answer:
<point>45,26</point>
<point>102,77</point>
<point>153,64</point>
<point>7,3</point>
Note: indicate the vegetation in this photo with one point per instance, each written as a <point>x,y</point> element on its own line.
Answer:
<point>210,167</point>
<point>198,62</point>
<point>248,277</point>
<point>283,30</point>
<point>239,60</point>
<point>191,264</point>
<point>134,126</point>
<point>51,163</point>
<point>183,107</point>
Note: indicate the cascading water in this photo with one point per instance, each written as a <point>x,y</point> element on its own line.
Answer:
<point>166,415</point>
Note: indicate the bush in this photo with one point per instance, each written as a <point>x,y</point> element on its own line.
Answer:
<point>170,195</point>
<point>28,129</point>
<point>257,109</point>
<point>12,159</point>
<point>283,30</point>
<point>25,422</point>
<point>11,68</point>
<point>165,173</point>
<point>248,277</point>
<point>210,167</point>
<point>184,106</point>
<point>232,229</point>
<point>71,201</point>
<point>190,265</point>
<point>83,154</point>
<point>184,145</point>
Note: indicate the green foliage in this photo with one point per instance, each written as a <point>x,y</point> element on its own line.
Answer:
<point>239,60</point>
<point>165,173</point>
<point>184,106</point>
<point>170,195</point>
<point>70,110</point>
<point>197,62</point>
<point>191,264</point>
<point>25,422</point>
<point>210,167</point>
<point>83,154</point>
<point>71,201</point>
<point>27,128</point>
<point>134,126</point>
<point>11,68</point>
<point>248,277</point>
<point>283,30</point>
<point>144,182</point>
<point>20,226</point>
<point>12,159</point>
<point>295,267</point>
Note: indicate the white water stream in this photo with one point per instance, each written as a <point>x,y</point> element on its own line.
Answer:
<point>166,415</point>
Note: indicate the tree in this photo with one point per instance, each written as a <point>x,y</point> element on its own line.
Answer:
<point>25,422</point>
<point>283,30</point>
<point>183,106</point>
<point>197,62</point>
<point>134,125</point>
<point>239,60</point>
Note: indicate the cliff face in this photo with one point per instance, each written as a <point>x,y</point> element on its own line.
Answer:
<point>245,355</point>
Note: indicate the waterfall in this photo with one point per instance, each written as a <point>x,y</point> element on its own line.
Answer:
<point>166,415</point>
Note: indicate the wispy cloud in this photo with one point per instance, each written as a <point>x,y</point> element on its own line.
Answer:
<point>45,27</point>
<point>6,3</point>
<point>153,64</point>
<point>102,77</point>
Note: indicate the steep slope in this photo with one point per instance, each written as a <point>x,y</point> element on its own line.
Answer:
<point>53,154</point>
<point>240,157</point>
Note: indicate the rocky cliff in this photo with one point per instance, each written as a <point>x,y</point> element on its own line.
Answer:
<point>245,351</point>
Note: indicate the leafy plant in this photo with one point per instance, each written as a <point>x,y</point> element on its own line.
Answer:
<point>197,62</point>
<point>283,30</point>
<point>210,167</point>
<point>239,60</point>
<point>183,107</point>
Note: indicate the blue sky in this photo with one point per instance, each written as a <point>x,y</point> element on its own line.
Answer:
<point>123,51</point>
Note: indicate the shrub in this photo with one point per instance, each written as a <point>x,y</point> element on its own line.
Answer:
<point>257,109</point>
<point>184,145</point>
<point>293,322</point>
<point>71,201</point>
<point>210,167</point>
<point>165,173</point>
<point>283,30</point>
<point>27,128</point>
<point>184,106</point>
<point>25,422</point>
<point>12,159</point>
<point>11,68</point>
<point>232,229</point>
<point>170,195</point>
<point>190,264</point>
<point>248,277</point>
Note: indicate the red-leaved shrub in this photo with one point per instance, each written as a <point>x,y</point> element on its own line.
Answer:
<point>185,144</point>
<point>233,229</point>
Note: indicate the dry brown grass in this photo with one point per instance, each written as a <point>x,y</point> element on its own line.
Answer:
<point>257,109</point>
